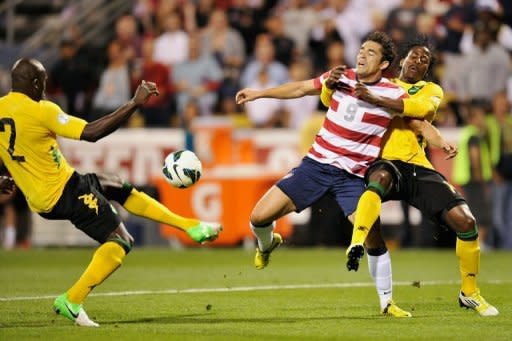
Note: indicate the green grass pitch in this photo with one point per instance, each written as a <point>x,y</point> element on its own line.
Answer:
<point>216,294</point>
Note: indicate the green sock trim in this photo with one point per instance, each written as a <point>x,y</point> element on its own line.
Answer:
<point>127,247</point>
<point>468,236</point>
<point>376,187</point>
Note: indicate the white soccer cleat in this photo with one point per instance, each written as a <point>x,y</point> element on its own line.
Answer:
<point>84,321</point>
<point>478,303</point>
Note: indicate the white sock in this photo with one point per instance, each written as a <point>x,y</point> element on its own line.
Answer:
<point>380,270</point>
<point>9,238</point>
<point>264,235</point>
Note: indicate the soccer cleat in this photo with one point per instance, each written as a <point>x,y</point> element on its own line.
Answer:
<point>262,258</point>
<point>354,254</point>
<point>72,311</point>
<point>395,311</point>
<point>478,303</point>
<point>204,232</point>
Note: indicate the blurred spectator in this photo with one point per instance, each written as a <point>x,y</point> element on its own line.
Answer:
<point>499,124</point>
<point>352,24</point>
<point>72,75</point>
<point>247,20</point>
<point>473,170</point>
<point>227,46</point>
<point>197,78</point>
<point>299,19</point>
<point>283,45</point>
<point>204,11</point>
<point>264,113</point>
<point>171,46</point>
<point>190,112</point>
<point>455,21</point>
<point>489,64</point>
<point>299,110</point>
<point>157,111</point>
<point>401,22</point>
<point>264,54</point>
<point>128,37</point>
<point>322,35</point>
<point>114,87</point>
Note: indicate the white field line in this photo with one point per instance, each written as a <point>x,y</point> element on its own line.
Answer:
<point>248,288</point>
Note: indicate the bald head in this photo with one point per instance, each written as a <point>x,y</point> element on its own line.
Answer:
<point>29,77</point>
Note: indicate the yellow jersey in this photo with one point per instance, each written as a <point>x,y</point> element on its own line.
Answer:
<point>29,149</point>
<point>400,142</point>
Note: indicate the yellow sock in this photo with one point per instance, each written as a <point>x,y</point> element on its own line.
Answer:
<point>107,258</point>
<point>141,204</point>
<point>367,213</point>
<point>468,252</point>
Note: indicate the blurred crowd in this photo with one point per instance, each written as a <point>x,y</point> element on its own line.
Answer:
<point>201,52</point>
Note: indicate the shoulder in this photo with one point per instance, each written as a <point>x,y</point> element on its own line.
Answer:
<point>49,107</point>
<point>434,89</point>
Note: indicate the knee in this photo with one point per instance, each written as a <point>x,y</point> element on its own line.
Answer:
<point>125,240</point>
<point>380,181</point>
<point>258,217</point>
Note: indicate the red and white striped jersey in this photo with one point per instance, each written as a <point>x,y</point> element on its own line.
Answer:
<point>351,135</point>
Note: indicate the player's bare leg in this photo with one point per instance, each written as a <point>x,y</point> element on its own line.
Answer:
<point>272,206</point>
<point>461,220</point>
<point>105,261</point>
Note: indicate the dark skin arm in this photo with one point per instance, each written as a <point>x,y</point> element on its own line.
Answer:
<point>474,158</point>
<point>364,94</point>
<point>105,125</point>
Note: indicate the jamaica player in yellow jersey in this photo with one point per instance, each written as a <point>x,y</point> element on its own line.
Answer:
<point>29,126</point>
<point>404,173</point>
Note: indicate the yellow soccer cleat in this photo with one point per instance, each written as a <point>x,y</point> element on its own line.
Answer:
<point>478,303</point>
<point>395,311</point>
<point>262,258</point>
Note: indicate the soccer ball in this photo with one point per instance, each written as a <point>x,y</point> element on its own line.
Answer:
<point>182,168</point>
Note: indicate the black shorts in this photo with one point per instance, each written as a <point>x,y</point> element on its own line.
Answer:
<point>84,204</point>
<point>423,188</point>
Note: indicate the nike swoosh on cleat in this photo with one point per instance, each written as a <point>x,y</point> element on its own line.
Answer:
<point>71,311</point>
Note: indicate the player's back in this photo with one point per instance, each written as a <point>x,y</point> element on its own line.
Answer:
<point>29,149</point>
<point>400,142</point>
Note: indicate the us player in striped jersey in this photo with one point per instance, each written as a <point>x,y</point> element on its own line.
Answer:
<point>346,145</point>
<point>405,173</point>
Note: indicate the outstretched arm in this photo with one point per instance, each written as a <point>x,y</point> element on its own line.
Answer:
<point>105,125</point>
<point>433,137</point>
<point>285,91</point>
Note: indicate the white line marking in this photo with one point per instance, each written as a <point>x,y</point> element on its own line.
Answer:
<point>248,288</point>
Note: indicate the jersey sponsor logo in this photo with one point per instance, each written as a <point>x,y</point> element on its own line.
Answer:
<point>62,118</point>
<point>90,201</point>
<point>56,155</point>
<point>413,90</point>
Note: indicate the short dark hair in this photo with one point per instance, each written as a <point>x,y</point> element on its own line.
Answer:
<point>388,47</point>
<point>421,40</point>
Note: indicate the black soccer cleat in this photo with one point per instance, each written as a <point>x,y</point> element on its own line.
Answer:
<point>354,255</point>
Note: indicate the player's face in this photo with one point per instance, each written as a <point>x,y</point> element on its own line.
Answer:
<point>40,84</point>
<point>416,64</point>
<point>369,61</point>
